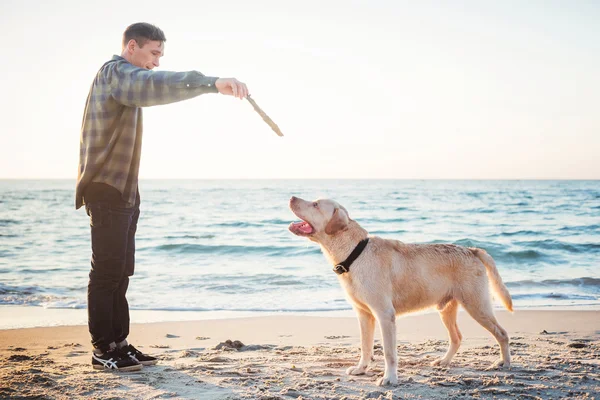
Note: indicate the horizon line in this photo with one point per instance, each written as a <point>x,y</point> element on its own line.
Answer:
<point>321,179</point>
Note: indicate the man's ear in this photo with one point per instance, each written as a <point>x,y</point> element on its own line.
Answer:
<point>131,45</point>
<point>338,222</point>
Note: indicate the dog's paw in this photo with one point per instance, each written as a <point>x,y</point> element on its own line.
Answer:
<point>391,380</point>
<point>357,370</point>
<point>499,364</point>
<point>440,362</point>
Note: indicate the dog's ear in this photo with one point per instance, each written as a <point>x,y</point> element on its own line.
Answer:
<point>338,221</point>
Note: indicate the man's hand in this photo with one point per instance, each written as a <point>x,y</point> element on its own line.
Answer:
<point>232,87</point>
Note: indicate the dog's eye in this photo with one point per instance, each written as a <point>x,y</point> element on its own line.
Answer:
<point>315,204</point>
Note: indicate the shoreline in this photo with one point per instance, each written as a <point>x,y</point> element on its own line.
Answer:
<point>24,317</point>
<point>409,327</point>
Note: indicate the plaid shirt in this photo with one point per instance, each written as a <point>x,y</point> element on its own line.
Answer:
<point>111,131</point>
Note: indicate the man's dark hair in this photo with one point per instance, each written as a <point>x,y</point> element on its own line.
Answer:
<point>142,32</point>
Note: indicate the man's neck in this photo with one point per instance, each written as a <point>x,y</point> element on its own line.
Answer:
<point>126,56</point>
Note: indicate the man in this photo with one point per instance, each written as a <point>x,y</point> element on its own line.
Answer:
<point>111,140</point>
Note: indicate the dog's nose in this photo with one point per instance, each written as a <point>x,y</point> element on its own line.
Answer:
<point>293,198</point>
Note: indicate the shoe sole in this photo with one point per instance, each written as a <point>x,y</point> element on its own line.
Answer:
<point>148,363</point>
<point>126,369</point>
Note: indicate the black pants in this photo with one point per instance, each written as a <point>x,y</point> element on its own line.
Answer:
<point>113,257</point>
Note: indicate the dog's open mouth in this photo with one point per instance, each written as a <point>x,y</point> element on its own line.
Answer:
<point>301,228</point>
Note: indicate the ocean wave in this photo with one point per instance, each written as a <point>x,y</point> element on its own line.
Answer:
<point>26,298</point>
<point>519,233</point>
<point>250,288</point>
<point>310,281</point>
<point>405,209</point>
<point>22,290</point>
<point>43,270</point>
<point>557,245</point>
<point>525,255</point>
<point>18,198</point>
<point>6,222</point>
<point>207,236</point>
<point>588,282</point>
<point>553,296</point>
<point>247,224</point>
<point>504,253</point>
<point>580,228</point>
<point>54,302</point>
<point>275,221</point>
<point>250,309</point>
<point>488,246</point>
<point>519,211</point>
<point>481,210</point>
<point>384,220</point>
<point>235,224</point>
<point>393,232</point>
<point>194,248</point>
<point>519,204</point>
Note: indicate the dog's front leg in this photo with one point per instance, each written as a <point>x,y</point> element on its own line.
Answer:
<point>387,324</point>
<point>367,331</point>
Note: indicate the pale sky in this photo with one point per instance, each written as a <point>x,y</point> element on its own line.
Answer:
<point>361,89</point>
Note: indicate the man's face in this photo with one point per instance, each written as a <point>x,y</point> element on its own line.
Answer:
<point>147,56</point>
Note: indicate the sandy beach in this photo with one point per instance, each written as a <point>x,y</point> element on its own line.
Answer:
<point>556,354</point>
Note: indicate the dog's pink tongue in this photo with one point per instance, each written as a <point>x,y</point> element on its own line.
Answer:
<point>303,227</point>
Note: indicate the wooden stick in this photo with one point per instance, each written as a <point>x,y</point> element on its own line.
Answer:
<point>264,116</point>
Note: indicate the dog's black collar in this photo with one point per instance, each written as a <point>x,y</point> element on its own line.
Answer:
<point>344,266</point>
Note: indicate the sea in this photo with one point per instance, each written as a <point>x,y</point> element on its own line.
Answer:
<point>222,247</point>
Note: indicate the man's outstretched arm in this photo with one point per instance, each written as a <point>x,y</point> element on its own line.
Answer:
<point>138,87</point>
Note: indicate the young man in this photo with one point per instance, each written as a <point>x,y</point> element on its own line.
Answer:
<point>111,140</point>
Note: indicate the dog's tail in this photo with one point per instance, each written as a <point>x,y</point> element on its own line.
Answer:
<point>494,277</point>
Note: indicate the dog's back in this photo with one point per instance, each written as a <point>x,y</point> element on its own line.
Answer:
<point>418,276</point>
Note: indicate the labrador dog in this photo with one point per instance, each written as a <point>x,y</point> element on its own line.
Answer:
<point>390,278</point>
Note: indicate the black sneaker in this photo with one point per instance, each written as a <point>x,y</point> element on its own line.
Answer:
<point>138,356</point>
<point>115,360</point>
